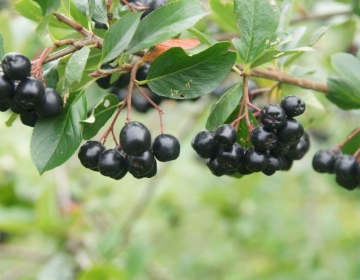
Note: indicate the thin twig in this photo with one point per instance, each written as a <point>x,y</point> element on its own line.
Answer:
<point>318,17</point>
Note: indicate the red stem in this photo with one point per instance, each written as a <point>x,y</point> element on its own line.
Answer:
<point>339,146</point>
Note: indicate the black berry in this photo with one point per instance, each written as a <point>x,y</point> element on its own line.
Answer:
<point>7,87</point>
<point>16,66</point>
<point>272,116</point>
<point>291,131</point>
<point>29,118</point>
<point>300,150</point>
<point>135,138</point>
<point>111,163</point>
<point>225,136</point>
<point>15,106</point>
<point>140,165</point>
<point>255,160</point>
<point>230,158</point>
<point>4,105</point>
<point>349,184</point>
<point>204,145</point>
<point>287,163</point>
<point>323,161</point>
<point>263,138</point>
<point>89,154</point>
<point>215,167</point>
<point>275,163</point>
<point>52,104</point>
<point>282,148</point>
<point>293,106</point>
<point>166,147</point>
<point>345,166</point>
<point>104,82</point>
<point>29,93</point>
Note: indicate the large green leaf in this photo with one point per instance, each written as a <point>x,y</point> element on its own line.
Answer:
<point>55,140</point>
<point>75,68</point>
<point>344,90</point>
<point>29,10</point>
<point>224,10</point>
<point>119,35</point>
<point>99,116</point>
<point>166,22</point>
<point>222,109</point>
<point>176,75</point>
<point>93,9</point>
<point>258,19</point>
<point>50,73</point>
<point>48,6</point>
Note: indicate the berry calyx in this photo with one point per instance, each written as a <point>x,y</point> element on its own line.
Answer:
<point>135,138</point>
<point>16,66</point>
<point>293,106</point>
<point>89,154</point>
<point>29,93</point>
<point>52,104</point>
<point>166,147</point>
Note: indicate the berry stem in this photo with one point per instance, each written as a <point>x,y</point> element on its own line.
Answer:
<point>339,146</point>
<point>161,112</point>
<point>357,153</point>
<point>130,88</point>
<point>37,64</point>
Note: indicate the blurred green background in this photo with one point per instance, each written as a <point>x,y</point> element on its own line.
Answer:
<point>185,223</point>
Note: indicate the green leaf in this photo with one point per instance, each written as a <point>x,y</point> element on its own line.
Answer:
<point>99,116</point>
<point>344,91</point>
<point>2,46</point>
<point>203,38</point>
<point>16,219</point>
<point>243,130</point>
<point>224,10</point>
<point>285,15</point>
<point>42,32</point>
<point>223,108</point>
<point>118,36</point>
<point>93,9</point>
<point>258,19</point>
<point>176,75</point>
<point>48,6</point>
<point>50,73</point>
<point>355,4</point>
<point>75,67</point>
<point>55,140</point>
<point>166,22</point>
<point>29,10</point>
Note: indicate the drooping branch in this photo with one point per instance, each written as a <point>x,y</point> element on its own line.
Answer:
<point>287,79</point>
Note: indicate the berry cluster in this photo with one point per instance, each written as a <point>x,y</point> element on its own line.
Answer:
<point>136,155</point>
<point>24,94</point>
<point>345,167</point>
<point>278,141</point>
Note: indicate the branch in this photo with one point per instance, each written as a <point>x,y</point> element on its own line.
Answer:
<point>323,16</point>
<point>287,79</point>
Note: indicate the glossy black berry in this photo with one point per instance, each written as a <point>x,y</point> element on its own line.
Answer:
<point>225,136</point>
<point>89,154</point>
<point>323,161</point>
<point>29,93</point>
<point>142,72</point>
<point>150,174</point>
<point>15,106</point>
<point>230,158</point>
<point>282,148</point>
<point>291,131</point>
<point>300,150</point>
<point>263,138</point>
<point>122,81</point>
<point>16,66</point>
<point>293,106</point>
<point>345,166</point>
<point>7,87</point>
<point>119,92</point>
<point>275,163</point>
<point>272,116</point>
<point>287,163</point>
<point>139,102</point>
<point>29,118</point>
<point>4,105</point>
<point>52,104</point>
<point>99,25</point>
<point>166,147</point>
<point>242,169</point>
<point>111,163</point>
<point>204,145</point>
<point>215,167</point>
<point>135,138</point>
<point>255,160</point>
<point>140,165</point>
<point>349,184</point>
